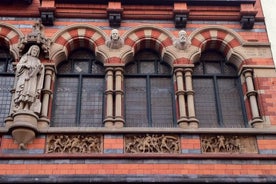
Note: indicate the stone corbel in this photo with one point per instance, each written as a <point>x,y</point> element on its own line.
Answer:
<point>181,14</point>
<point>114,13</point>
<point>248,14</point>
<point>47,12</point>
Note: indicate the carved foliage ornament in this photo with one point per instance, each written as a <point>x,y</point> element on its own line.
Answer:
<point>228,144</point>
<point>152,143</point>
<point>74,144</point>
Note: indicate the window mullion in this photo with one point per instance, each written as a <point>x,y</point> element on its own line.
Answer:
<point>218,103</point>
<point>78,109</point>
<point>149,112</point>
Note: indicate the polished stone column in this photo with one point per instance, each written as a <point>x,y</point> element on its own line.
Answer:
<point>44,121</point>
<point>252,96</point>
<point>180,93</point>
<point>193,122</point>
<point>119,121</point>
<point>108,121</point>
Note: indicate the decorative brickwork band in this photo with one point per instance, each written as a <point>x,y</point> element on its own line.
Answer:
<point>228,144</point>
<point>152,143</point>
<point>74,144</point>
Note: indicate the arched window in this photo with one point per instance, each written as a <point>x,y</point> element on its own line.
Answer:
<point>218,95</point>
<point>6,83</point>
<point>149,92</point>
<point>78,99</point>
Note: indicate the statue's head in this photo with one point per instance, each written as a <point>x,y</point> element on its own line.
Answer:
<point>182,36</point>
<point>34,51</point>
<point>115,34</point>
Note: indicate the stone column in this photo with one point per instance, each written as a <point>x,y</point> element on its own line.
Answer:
<point>119,121</point>
<point>108,121</point>
<point>180,93</point>
<point>44,121</point>
<point>252,96</point>
<point>193,122</point>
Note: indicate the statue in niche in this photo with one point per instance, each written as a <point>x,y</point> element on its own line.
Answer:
<point>182,42</point>
<point>29,76</point>
<point>115,41</point>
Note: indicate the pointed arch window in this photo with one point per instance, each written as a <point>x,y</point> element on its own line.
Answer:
<point>6,83</point>
<point>218,94</point>
<point>78,99</point>
<point>149,92</point>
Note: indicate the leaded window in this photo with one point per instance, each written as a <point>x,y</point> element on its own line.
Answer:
<point>218,95</point>
<point>149,92</point>
<point>6,83</point>
<point>79,91</point>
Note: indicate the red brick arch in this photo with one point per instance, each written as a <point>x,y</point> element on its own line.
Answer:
<point>149,37</point>
<point>10,37</point>
<point>219,38</point>
<point>79,36</point>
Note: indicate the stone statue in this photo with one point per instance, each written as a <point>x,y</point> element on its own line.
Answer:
<point>182,42</point>
<point>29,77</point>
<point>115,42</point>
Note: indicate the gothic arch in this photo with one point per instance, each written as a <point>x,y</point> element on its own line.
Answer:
<point>146,36</point>
<point>10,37</point>
<point>220,38</point>
<point>77,35</point>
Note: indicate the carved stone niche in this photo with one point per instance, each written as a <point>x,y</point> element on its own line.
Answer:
<point>152,143</point>
<point>228,144</point>
<point>60,143</point>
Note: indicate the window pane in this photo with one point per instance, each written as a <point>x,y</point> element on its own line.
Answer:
<point>205,104</point>
<point>136,102</point>
<point>6,84</point>
<point>161,102</point>
<point>65,102</point>
<point>81,66</point>
<point>2,65</point>
<point>147,67</point>
<point>230,103</point>
<point>92,102</point>
<point>163,69</point>
<point>212,67</point>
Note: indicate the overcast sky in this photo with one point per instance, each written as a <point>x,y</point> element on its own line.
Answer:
<point>269,7</point>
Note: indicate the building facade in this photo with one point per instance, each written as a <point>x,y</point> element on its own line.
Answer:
<point>136,91</point>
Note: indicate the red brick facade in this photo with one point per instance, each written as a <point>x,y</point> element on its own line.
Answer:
<point>217,26</point>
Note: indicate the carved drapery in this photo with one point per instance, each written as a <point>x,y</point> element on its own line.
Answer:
<point>228,144</point>
<point>74,144</point>
<point>152,143</point>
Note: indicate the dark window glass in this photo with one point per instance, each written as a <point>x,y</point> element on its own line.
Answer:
<point>6,83</point>
<point>149,92</point>
<point>218,95</point>
<point>79,91</point>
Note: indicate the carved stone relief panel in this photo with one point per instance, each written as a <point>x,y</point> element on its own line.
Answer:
<point>152,143</point>
<point>228,144</point>
<point>74,144</point>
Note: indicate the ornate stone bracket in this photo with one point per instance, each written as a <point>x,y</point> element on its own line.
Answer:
<point>247,16</point>
<point>47,12</point>
<point>35,37</point>
<point>114,12</point>
<point>181,14</point>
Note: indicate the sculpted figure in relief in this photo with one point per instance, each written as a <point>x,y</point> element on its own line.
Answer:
<point>29,74</point>
<point>182,42</point>
<point>115,41</point>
